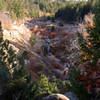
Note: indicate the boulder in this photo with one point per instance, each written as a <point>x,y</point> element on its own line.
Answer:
<point>56,97</point>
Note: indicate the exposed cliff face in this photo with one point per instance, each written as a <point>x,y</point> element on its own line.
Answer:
<point>17,32</point>
<point>14,30</point>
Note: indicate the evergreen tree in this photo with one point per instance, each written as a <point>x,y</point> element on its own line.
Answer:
<point>7,58</point>
<point>90,52</point>
<point>91,46</point>
<point>45,87</point>
<point>3,5</point>
<point>16,9</point>
<point>14,78</point>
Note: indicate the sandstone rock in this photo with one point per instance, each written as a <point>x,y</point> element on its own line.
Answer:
<point>56,97</point>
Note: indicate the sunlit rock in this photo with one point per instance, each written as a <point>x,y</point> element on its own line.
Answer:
<point>56,97</point>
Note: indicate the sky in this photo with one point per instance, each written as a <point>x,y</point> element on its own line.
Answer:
<point>78,0</point>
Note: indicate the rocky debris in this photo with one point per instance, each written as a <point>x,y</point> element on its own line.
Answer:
<point>71,96</point>
<point>56,97</point>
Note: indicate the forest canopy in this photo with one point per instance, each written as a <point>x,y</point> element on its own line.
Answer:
<point>18,9</point>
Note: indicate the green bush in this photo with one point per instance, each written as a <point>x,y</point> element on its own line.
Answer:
<point>34,13</point>
<point>20,86</point>
<point>32,40</point>
<point>3,5</point>
<point>44,88</point>
<point>73,11</point>
<point>16,9</point>
<point>62,86</point>
<point>25,54</point>
<point>52,28</point>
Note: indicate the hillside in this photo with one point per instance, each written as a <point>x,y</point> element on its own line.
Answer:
<point>49,50</point>
<point>20,34</point>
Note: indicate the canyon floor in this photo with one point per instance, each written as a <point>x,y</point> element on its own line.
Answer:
<point>63,42</point>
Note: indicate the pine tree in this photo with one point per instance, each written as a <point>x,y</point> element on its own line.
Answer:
<point>16,9</point>
<point>13,73</point>
<point>4,60</point>
<point>91,46</point>
<point>1,35</point>
<point>43,87</point>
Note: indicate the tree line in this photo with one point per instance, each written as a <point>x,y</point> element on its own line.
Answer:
<point>18,9</point>
<point>63,9</point>
<point>73,11</point>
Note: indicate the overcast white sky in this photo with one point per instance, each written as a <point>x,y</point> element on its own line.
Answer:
<point>78,0</point>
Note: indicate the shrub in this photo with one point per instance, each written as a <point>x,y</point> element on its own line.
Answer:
<point>73,11</point>
<point>25,54</point>
<point>62,86</point>
<point>44,88</point>
<point>34,13</point>
<point>3,5</point>
<point>32,40</point>
<point>16,9</point>
<point>52,28</point>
